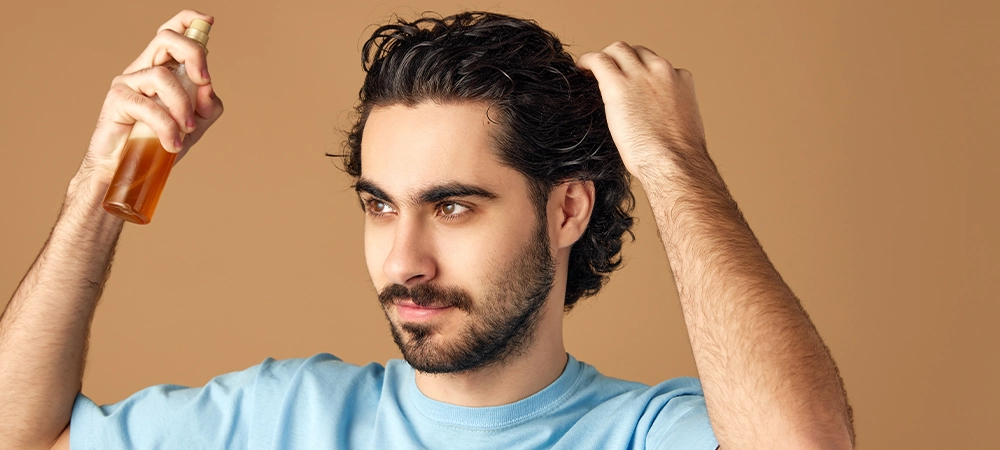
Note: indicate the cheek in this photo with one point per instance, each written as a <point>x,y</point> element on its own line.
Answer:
<point>477,259</point>
<point>465,264</point>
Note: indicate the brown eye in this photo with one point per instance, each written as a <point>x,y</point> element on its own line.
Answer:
<point>452,209</point>
<point>379,207</point>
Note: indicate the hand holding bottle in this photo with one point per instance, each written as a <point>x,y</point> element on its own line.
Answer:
<point>44,328</point>
<point>150,93</point>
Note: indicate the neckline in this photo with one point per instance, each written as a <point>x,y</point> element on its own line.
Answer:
<point>496,416</point>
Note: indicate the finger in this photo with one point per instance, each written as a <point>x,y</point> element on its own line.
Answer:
<point>183,19</point>
<point>197,70</point>
<point>604,68</point>
<point>685,79</point>
<point>654,63</point>
<point>642,50</point>
<point>624,56</point>
<point>206,103</point>
<point>130,107</point>
<point>648,57</point>
<point>167,45</point>
<point>160,83</point>
<point>204,122</point>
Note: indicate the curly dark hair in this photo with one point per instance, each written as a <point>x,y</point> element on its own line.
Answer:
<point>550,112</point>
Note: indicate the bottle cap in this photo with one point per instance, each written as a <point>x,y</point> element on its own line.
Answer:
<point>198,31</point>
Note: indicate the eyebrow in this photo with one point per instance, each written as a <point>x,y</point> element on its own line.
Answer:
<point>448,190</point>
<point>432,194</point>
<point>364,185</point>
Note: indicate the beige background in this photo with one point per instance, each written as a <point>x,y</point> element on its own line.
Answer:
<point>858,137</point>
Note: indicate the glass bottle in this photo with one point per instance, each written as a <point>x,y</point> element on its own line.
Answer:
<point>142,173</point>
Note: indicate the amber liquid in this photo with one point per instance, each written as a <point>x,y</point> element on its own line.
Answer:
<point>139,180</point>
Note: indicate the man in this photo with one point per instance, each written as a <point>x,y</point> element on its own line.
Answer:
<point>493,171</point>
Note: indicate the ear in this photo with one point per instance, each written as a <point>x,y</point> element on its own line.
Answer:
<point>569,209</point>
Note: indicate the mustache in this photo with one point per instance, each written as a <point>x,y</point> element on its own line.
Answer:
<point>426,295</point>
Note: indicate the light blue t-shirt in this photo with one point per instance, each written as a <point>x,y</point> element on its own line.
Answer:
<point>324,403</point>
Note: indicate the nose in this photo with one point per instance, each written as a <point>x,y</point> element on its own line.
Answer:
<point>411,260</point>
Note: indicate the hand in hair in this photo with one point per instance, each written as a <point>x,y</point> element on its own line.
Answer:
<point>651,106</point>
<point>769,380</point>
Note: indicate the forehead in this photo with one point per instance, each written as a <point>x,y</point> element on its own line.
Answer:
<point>405,148</point>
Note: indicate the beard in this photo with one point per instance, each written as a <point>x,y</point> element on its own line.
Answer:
<point>500,326</point>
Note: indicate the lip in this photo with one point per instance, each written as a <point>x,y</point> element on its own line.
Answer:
<point>410,312</point>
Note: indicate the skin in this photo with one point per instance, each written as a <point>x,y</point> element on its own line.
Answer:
<point>44,328</point>
<point>769,380</point>
<point>409,150</point>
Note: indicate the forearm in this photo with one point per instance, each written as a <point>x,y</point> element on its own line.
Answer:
<point>44,329</point>
<point>769,380</point>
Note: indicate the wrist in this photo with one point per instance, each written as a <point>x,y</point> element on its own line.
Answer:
<point>84,197</point>
<point>677,171</point>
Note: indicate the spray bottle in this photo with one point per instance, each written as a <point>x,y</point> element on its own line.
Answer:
<point>142,173</point>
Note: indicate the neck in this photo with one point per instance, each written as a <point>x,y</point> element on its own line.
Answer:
<point>511,380</point>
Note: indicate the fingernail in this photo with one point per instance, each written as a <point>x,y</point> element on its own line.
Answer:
<point>190,123</point>
<point>204,73</point>
<point>178,143</point>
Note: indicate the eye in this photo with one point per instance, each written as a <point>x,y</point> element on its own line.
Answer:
<point>452,209</point>
<point>378,207</point>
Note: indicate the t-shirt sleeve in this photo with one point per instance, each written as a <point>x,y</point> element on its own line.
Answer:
<point>216,415</point>
<point>683,421</point>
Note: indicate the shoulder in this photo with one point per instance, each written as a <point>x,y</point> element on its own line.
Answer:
<point>615,389</point>
<point>230,410</point>
<point>671,413</point>
<point>320,372</point>
<point>676,396</point>
<point>320,364</point>
<point>320,397</point>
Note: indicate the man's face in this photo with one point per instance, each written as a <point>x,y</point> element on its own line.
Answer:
<point>453,243</point>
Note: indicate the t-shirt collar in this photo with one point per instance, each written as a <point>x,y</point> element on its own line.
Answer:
<point>497,416</point>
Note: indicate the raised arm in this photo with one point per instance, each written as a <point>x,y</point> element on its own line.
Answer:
<point>769,380</point>
<point>44,328</point>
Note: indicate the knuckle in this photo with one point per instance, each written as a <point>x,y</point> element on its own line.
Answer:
<point>128,106</point>
<point>148,110</point>
<point>604,58</point>
<point>660,65</point>
<point>160,74</point>
<point>620,45</point>
<point>192,52</point>
<point>137,101</point>
<point>114,93</point>
<point>165,33</point>
<point>119,92</point>
<point>163,121</point>
<point>112,98</point>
